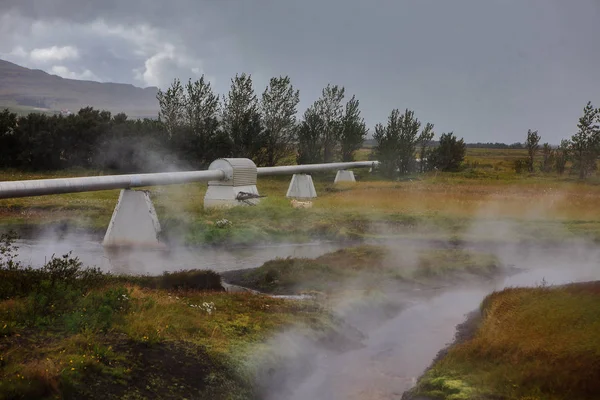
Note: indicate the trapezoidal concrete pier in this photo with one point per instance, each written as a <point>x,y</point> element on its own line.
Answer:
<point>134,221</point>
<point>301,187</point>
<point>344,176</point>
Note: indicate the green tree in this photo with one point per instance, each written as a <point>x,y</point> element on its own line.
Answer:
<point>133,146</point>
<point>9,145</point>
<point>172,106</point>
<point>585,143</point>
<point>201,107</point>
<point>562,156</point>
<point>387,139</point>
<point>41,146</point>
<point>407,142</point>
<point>242,119</point>
<point>331,112</point>
<point>424,140</point>
<point>310,131</point>
<point>354,131</point>
<point>80,135</point>
<point>279,107</point>
<point>120,119</point>
<point>201,116</point>
<point>532,145</point>
<point>548,158</point>
<point>397,142</point>
<point>450,153</point>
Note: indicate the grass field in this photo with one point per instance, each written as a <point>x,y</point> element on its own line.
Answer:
<point>526,344</point>
<point>486,202</point>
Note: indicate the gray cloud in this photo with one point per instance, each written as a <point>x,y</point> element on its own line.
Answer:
<point>486,70</point>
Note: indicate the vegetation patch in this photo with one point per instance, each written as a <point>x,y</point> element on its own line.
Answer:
<point>364,266</point>
<point>67,331</point>
<point>527,343</point>
<point>479,204</point>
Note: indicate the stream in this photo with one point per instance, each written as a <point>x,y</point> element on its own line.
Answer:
<point>398,351</point>
<point>395,352</point>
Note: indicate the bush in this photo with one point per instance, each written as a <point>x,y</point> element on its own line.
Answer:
<point>58,274</point>
<point>520,165</point>
<point>15,279</point>
<point>193,279</point>
<point>50,290</point>
<point>450,153</point>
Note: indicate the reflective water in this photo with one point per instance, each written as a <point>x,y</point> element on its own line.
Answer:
<point>155,261</point>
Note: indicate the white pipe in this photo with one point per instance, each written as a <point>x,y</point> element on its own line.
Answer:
<point>308,168</point>
<point>41,187</point>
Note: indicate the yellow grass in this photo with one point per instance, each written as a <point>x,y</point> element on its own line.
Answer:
<point>531,343</point>
<point>491,190</point>
<point>544,200</point>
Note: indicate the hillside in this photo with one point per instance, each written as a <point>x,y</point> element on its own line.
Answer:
<point>23,89</point>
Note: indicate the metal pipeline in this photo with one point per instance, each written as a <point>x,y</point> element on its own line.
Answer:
<point>308,168</point>
<point>41,187</point>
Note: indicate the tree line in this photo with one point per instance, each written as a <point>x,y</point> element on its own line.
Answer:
<point>582,149</point>
<point>90,139</point>
<point>264,129</point>
<point>195,126</point>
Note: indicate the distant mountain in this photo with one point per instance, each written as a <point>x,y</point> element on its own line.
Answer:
<point>24,89</point>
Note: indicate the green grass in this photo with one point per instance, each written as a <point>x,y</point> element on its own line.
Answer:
<point>67,331</point>
<point>363,266</point>
<point>528,343</point>
<point>475,204</point>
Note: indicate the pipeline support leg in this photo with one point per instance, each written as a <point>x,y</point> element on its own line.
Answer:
<point>344,176</point>
<point>134,221</point>
<point>301,187</point>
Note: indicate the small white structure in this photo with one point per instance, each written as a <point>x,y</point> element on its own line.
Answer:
<point>134,221</point>
<point>344,176</point>
<point>238,187</point>
<point>301,187</point>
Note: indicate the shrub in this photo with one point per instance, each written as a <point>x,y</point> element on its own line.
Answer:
<point>450,153</point>
<point>58,274</point>
<point>193,279</point>
<point>520,165</point>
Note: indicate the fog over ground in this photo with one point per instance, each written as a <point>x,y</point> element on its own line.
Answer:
<point>394,348</point>
<point>486,70</point>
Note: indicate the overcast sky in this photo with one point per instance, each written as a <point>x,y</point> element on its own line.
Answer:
<point>487,70</point>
